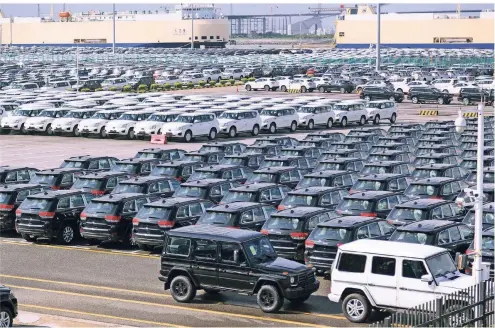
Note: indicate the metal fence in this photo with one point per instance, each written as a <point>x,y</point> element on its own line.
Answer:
<point>467,307</point>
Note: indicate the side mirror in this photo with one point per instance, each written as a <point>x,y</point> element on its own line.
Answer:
<point>236,256</point>
<point>427,278</point>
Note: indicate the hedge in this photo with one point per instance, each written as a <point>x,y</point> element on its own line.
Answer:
<point>127,88</point>
<point>178,85</point>
<point>190,85</point>
<point>99,89</point>
<point>113,89</point>
<point>202,83</point>
<point>213,83</point>
<point>85,90</point>
<point>244,80</point>
<point>251,79</point>
<point>222,82</point>
<point>166,86</point>
<point>155,87</point>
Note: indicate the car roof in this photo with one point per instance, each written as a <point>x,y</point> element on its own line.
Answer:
<point>85,158</point>
<point>436,166</point>
<point>102,174</point>
<point>114,198</point>
<point>314,190</point>
<point>385,163</point>
<point>144,179</point>
<point>178,163</point>
<point>381,176</point>
<point>348,221</point>
<point>59,170</point>
<point>275,169</point>
<point>173,201</point>
<point>371,194</point>
<point>233,207</point>
<point>214,232</point>
<point>300,211</point>
<point>382,247</point>
<point>137,160</point>
<point>203,182</point>
<point>56,193</point>
<point>255,187</point>
<point>434,181</point>
<point>422,203</point>
<point>19,186</point>
<point>218,167</point>
<point>326,173</point>
<point>427,225</point>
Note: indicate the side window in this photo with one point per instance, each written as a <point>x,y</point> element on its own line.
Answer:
<point>359,166</point>
<point>325,199</point>
<point>466,232</point>
<point>386,228</point>
<point>247,216</point>
<point>456,188</point>
<point>205,250</point>
<point>104,164</point>
<point>336,197</point>
<point>146,167</point>
<point>447,211</point>
<point>152,188</point>
<point>352,263</point>
<point>164,186</point>
<point>374,230</point>
<point>67,179</point>
<point>178,246</point>
<point>449,173</point>
<point>338,181</point>
<point>23,175</point>
<point>275,193</point>
<point>195,209</point>
<point>21,195</point>
<point>436,214</point>
<point>93,165</point>
<point>215,191</point>
<point>224,188</point>
<point>402,183</point>
<point>413,269</point>
<point>382,204</point>
<point>237,174</point>
<point>227,253</point>
<point>269,210</point>
<point>455,235</point>
<point>227,175</point>
<point>11,177</point>
<point>63,203</point>
<point>383,266</point>
<point>443,238</point>
<point>112,182</point>
<point>129,207</point>
<point>182,212</point>
<point>258,214</point>
<point>363,233</point>
<point>347,180</point>
<point>294,175</point>
<point>187,170</point>
<point>76,201</point>
<point>140,203</point>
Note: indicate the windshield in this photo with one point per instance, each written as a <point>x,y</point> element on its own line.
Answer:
<point>269,112</point>
<point>193,158</point>
<point>128,117</point>
<point>379,158</point>
<point>190,192</point>
<point>368,185</point>
<point>270,163</point>
<point>217,218</point>
<point>232,161</point>
<point>261,177</point>
<point>43,179</point>
<point>184,119</point>
<point>409,237</point>
<point>371,169</point>
<point>36,204</point>
<point>299,200</point>
<point>165,171</point>
<point>75,115</point>
<point>283,223</point>
<point>425,173</point>
<point>407,214</point>
<point>421,190</point>
<point>253,150</point>
<point>72,164</point>
<point>355,205</point>
<point>123,167</point>
<point>312,182</point>
<point>306,109</point>
<point>24,112</point>
<point>143,154</point>
<point>341,107</point>
<point>202,175</point>
<point>148,212</point>
<point>131,188</point>
<point>230,116</point>
<point>162,118</point>
<point>324,233</point>
<point>488,218</point>
<point>259,250</point>
<point>238,196</point>
<point>107,116</point>
<point>440,265</point>
<point>5,197</point>
<point>210,148</point>
<point>100,208</point>
<point>81,183</point>
<point>51,113</point>
<point>329,166</point>
<point>467,164</point>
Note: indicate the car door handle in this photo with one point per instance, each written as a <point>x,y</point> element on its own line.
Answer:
<point>195,266</point>
<point>402,288</point>
<point>371,284</point>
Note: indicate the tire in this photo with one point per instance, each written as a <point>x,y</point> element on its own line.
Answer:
<point>342,90</point>
<point>415,100</point>
<point>343,123</point>
<point>440,101</point>
<point>283,88</point>
<point>362,120</point>
<point>76,132</point>
<point>255,131</point>
<point>321,89</point>
<point>266,88</point>
<point>329,123</point>
<point>376,120</point>
<point>188,136</point>
<point>213,134</point>
<point>103,133</point>
<point>310,90</point>
<point>232,132</point>
<point>144,247</point>
<point>23,129</point>
<point>182,289</point>
<point>303,89</point>
<point>293,126</point>
<point>66,235</point>
<point>208,80</point>
<point>466,101</point>
<point>131,135</point>
<point>393,118</point>
<point>49,130</point>
<point>248,87</point>
<point>356,308</point>
<point>6,317</point>
<point>311,125</point>
<point>299,300</point>
<point>272,129</point>
<point>269,300</point>
<point>27,237</point>
<point>367,98</point>
<point>392,98</point>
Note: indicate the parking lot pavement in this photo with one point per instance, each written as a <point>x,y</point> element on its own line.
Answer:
<point>31,319</point>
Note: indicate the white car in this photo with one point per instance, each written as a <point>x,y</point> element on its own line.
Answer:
<point>265,83</point>
<point>404,87</point>
<point>383,275</point>
<point>315,114</point>
<point>381,110</point>
<point>58,85</point>
<point>350,112</point>
<point>193,77</point>
<point>237,121</point>
<point>283,82</point>
<point>443,84</point>
<point>190,125</point>
<point>43,122</point>
<point>154,123</point>
<point>233,73</point>
<point>276,118</point>
<point>303,85</point>
<point>124,125</point>
<point>172,79</point>
<point>456,88</point>
<point>16,121</point>
<point>213,74</point>
<point>421,76</point>
<point>70,122</point>
<point>97,123</point>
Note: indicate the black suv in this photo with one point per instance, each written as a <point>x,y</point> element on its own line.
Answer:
<point>296,161</point>
<point>10,174</point>
<point>137,166</point>
<point>384,182</point>
<point>439,170</point>
<point>223,259</point>
<point>234,173</point>
<point>435,188</point>
<point>387,167</point>
<point>11,196</point>
<point>146,80</point>
<point>265,193</point>
<point>180,170</point>
<point>89,163</point>
<point>279,140</point>
<point>473,95</point>
<point>155,187</point>
<point>286,175</point>
<point>52,215</point>
<point>487,218</point>
<point>8,306</point>
<point>369,203</point>
<point>342,86</point>
<point>424,209</point>
<point>228,147</point>
<point>377,93</point>
<point>60,178</point>
<point>429,95</point>
<point>326,197</point>
<point>92,85</point>
<point>349,164</point>
<point>162,154</point>
<point>391,155</point>
<point>251,161</point>
<point>328,178</point>
<point>436,158</point>
<point>266,149</point>
<point>207,157</point>
<point>211,189</point>
<point>99,183</point>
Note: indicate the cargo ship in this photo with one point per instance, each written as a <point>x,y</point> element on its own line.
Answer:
<point>356,28</point>
<point>168,28</point>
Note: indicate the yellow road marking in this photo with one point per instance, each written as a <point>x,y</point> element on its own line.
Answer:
<point>99,315</point>
<point>85,285</point>
<point>176,307</point>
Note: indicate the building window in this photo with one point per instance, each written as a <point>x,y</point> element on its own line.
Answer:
<point>218,38</point>
<point>341,34</point>
<point>211,37</point>
<point>203,37</point>
<point>195,38</point>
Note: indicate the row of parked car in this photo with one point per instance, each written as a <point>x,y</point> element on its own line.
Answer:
<point>110,115</point>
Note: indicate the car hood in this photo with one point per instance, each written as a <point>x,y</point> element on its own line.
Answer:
<point>463,281</point>
<point>283,265</point>
<point>225,121</point>
<point>93,121</point>
<point>64,121</point>
<point>147,124</point>
<point>13,118</point>
<point>39,119</point>
<point>266,118</point>
<point>174,126</point>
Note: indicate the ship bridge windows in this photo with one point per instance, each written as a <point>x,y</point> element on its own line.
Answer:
<point>341,34</point>
<point>452,40</point>
<point>211,37</point>
<point>204,37</point>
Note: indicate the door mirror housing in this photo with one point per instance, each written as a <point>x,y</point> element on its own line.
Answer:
<point>236,256</point>
<point>427,278</point>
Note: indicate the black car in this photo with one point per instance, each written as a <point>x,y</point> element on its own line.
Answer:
<point>242,215</point>
<point>454,236</point>
<point>89,163</point>
<point>264,193</point>
<point>342,86</point>
<point>358,145</point>
<point>242,261</point>
<point>363,137</point>
<point>349,164</point>
<point>369,203</point>
<point>11,196</point>
<point>435,158</point>
<point>153,220</point>
<point>439,148</point>
<point>162,154</point>
<point>99,183</point>
<point>391,146</point>
<point>397,139</point>
<point>303,151</point>
<point>296,161</point>
<point>323,242</point>
<point>326,197</point>
<point>288,229</point>
<point>207,157</point>
<point>488,176</point>
<point>328,178</point>
<point>387,167</point>
<point>285,175</point>
<point>379,93</point>
<point>228,148</point>
<point>427,141</point>
<point>266,150</point>
<point>51,215</point>
<point>92,85</point>
<point>109,218</point>
<point>383,182</point>
<point>59,178</point>
<point>487,218</point>
<point>8,306</point>
<point>154,186</point>
<point>330,136</point>
<point>278,140</point>
<point>248,160</point>
<point>343,153</point>
<point>435,188</point>
<point>180,170</point>
<point>377,131</point>
<point>9,174</point>
<point>424,209</point>
<point>487,251</point>
<point>401,132</point>
<point>391,155</point>
<point>439,170</point>
<point>423,95</point>
<point>135,166</point>
<point>234,173</point>
<point>469,96</point>
<point>211,189</point>
<point>136,82</point>
<point>466,198</point>
<point>470,163</point>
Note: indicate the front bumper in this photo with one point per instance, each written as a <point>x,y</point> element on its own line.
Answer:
<point>88,130</point>
<point>38,128</point>
<point>11,126</point>
<point>334,298</point>
<point>174,134</point>
<point>146,133</point>
<point>300,291</point>
<point>117,131</point>
<point>63,129</point>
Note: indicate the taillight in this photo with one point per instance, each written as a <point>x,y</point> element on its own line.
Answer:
<point>470,251</point>
<point>135,221</point>
<point>178,179</point>
<point>83,216</point>
<point>18,212</point>
<point>4,207</point>
<point>98,192</point>
<point>351,191</point>
<point>166,224</point>
<point>339,244</point>
<point>280,207</point>
<point>47,215</point>
<point>56,187</point>
<point>309,243</point>
<point>299,235</point>
<point>112,218</point>
<point>232,227</point>
<point>265,232</point>
<point>371,215</point>
<point>390,221</point>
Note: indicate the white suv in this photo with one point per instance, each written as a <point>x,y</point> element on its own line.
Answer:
<point>350,112</point>
<point>275,118</point>
<point>213,74</point>
<point>97,123</point>
<point>190,125</point>
<point>233,73</point>
<point>236,121</point>
<point>124,125</point>
<point>283,82</point>
<point>303,85</point>
<point>382,275</point>
<point>315,114</point>
<point>381,109</point>
<point>43,122</point>
<point>16,121</point>
<point>264,83</point>
<point>70,122</point>
<point>154,123</point>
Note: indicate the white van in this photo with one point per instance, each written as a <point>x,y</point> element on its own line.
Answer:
<point>375,274</point>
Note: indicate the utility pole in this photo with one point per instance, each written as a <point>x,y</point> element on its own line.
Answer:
<point>113,27</point>
<point>192,26</point>
<point>39,11</point>
<point>378,38</point>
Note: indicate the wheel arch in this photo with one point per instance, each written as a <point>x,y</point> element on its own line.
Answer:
<point>175,272</point>
<point>272,282</point>
<point>356,290</point>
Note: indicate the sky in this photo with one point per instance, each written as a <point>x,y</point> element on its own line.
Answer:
<point>32,9</point>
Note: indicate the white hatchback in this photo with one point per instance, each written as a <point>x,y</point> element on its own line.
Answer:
<point>381,109</point>
<point>276,118</point>
<point>190,125</point>
<point>124,125</point>
<point>70,122</point>
<point>43,122</point>
<point>154,123</point>
<point>237,121</point>
<point>264,83</point>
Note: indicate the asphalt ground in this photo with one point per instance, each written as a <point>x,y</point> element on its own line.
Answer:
<point>109,283</point>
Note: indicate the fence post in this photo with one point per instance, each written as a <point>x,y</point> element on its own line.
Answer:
<point>438,313</point>
<point>483,297</point>
<point>386,322</point>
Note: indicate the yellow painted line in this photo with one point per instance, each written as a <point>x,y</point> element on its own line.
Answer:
<point>176,307</point>
<point>331,316</point>
<point>84,285</point>
<point>82,250</point>
<point>166,324</point>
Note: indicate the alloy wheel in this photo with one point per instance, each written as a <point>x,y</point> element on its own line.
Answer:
<point>5,319</point>
<point>355,308</point>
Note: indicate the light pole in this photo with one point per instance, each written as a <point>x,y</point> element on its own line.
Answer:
<point>192,26</point>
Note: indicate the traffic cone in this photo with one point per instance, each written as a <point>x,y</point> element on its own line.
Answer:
<point>237,88</point>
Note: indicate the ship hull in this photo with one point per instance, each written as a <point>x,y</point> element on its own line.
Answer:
<point>129,45</point>
<point>422,45</point>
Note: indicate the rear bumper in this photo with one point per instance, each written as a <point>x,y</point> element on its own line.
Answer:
<point>7,222</point>
<point>40,231</point>
<point>99,234</point>
<point>148,239</point>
